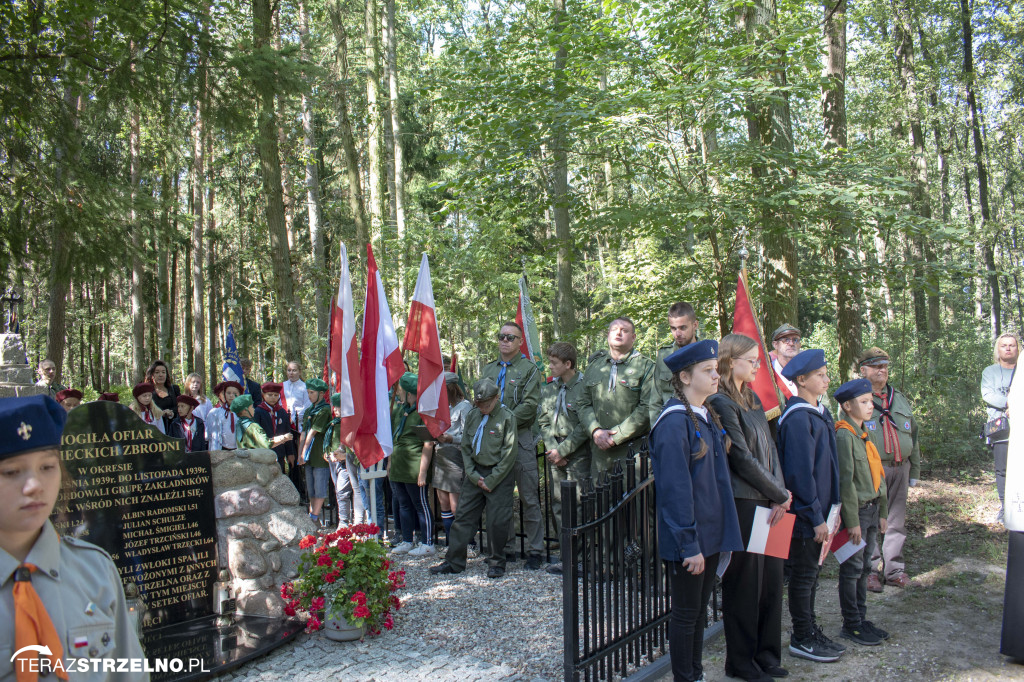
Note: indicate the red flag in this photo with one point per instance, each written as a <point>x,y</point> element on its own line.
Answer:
<point>524,318</point>
<point>744,321</point>
<point>344,356</point>
<point>455,362</point>
<point>379,368</point>
<point>421,336</point>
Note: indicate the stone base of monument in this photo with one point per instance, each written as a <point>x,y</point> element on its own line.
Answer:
<point>16,379</point>
<point>207,649</point>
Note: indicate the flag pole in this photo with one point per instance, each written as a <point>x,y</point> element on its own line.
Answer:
<point>744,254</point>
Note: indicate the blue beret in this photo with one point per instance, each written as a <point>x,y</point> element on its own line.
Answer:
<point>692,354</point>
<point>805,362</point>
<point>27,424</point>
<point>852,389</point>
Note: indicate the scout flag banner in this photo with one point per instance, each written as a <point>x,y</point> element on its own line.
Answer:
<point>344,356</point>
<point>422,336</point>
<point>530,347</point>
<point>744,321</point>
<point>231,370</point>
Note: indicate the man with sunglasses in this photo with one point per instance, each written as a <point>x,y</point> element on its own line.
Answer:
<point>786,342</point>
<point>518,381</point>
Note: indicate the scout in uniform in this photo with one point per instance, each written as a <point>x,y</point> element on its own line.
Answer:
<point>188,426</point>
<point>311,447</point>
<point>488,456</point>
<point>682,322</point>
<point>142,405</point>
<point>280,423</point>
<point>221,421</point>
<point>407,462</point>
<point>518,380</point>
<point>786,345</point>
<point>810,467</point>
<point>250,434</point>
<point>566,443</point>
<point>697,522</point>
<point>60,593</point>
<point>862,491</point>
<point>615,399</point>
<point>893,430</point>
<point>69,398</point>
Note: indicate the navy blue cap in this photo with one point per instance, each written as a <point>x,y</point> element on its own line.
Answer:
<point>32,423</point>
<point>692,354</point>
<point>852,389</point>
<point>805,362</point>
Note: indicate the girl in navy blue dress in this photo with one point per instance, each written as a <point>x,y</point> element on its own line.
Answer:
<point>697,522</point>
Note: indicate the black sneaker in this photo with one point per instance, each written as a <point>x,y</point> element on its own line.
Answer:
<point>533,562</point>
<point>879,632</point>
<point>443,569</point>
<point>511,558</point>
<point>835,646</point>
<point>776,671</point>
<point>495,572</point>
<point>812,650</point>
<point>860,635</point>
<point>555,569</point>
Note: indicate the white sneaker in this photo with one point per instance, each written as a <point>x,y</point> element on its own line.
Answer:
<point>402,548</point>
<point>422,550</point>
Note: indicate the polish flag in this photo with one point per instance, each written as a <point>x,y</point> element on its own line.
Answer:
<point>744,321</point>
<point>768,540</point>
<point>344,354</point>
<point>380,368</point>
<point>421,336</point>
<point>843,547</point>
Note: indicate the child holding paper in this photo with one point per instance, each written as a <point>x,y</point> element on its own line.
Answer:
<point>807,448</point>
<point>864,511</point>
<point>752,586</point>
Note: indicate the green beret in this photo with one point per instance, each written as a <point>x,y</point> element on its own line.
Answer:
<point>485,389</point>
<point>408,382</point>
<point>316,385</point>
<point>336,400</point>
<point>240,403</point>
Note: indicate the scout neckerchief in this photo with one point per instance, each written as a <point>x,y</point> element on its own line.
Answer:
<point>407,409</point>
<point>874,461</point>
<point>329,435</point>
<point>147,415</point>
<point>187,423</point>
<point>312,412</point>
<point>33,627</point>
<point>889,433</point>
<point>501,379</point>
<point>272,410</point>
<point>478,437</point>
<point>227,411</point>
<point>615,368</point>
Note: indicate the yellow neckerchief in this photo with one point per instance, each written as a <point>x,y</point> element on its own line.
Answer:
<point>874,461</point>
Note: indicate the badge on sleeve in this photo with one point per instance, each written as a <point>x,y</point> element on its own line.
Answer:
<point>870,425</point>
<point>906,425</point>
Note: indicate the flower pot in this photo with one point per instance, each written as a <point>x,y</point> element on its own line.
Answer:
<point>340,630</point>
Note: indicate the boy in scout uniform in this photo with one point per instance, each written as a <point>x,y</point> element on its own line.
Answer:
<point>518,381</point>
<point>566,443</point>
<point>488,453</point>
<point>894,433</point>
<point>864,508</point>
<point>682,322</point>
<point>615,400</point>
<point>250,434</point>
<point>311,448</point>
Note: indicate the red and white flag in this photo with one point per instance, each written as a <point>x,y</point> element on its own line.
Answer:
<point>771,540</point>
<point>379,368</point>
<point>843,547</point>
<point>744,321</point>
<point>421,336</point>
<point>344,354</point>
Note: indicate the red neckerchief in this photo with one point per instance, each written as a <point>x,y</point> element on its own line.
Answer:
<point>227,411</point>
<point>889,432</point>
<point>148,416</point>
<point>188,432</point>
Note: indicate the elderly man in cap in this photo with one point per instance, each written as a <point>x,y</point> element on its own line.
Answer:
<point>682,322</point>
<point>786,342</point>
<point>488,454</point>
<point>893,430</point>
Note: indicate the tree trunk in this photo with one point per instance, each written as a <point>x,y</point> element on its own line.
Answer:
<point>398,154</point>
<point>270,172</point>
<point>375,116</point>
<point>560,187</point>
<point>135,220</point>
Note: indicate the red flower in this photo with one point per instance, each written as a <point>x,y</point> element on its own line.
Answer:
<point>320,549</point>
<point>307,542</point>
<point>324,560</point>
<point>361,612</point>
<point>317,604</point>
<point>359,598</point>
<point>386,565</point>
<point>340,564</point>
<point>313,624</point>
<point>331,577</point>
<point>396,603</point>
<point>289,610</point>
<point>286,591</point>
<point>389,622</point>
<point>344,546</point>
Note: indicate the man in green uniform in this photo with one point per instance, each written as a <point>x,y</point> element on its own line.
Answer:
<point>615,401</point>
<point>250,434</point>
<point>311,447</point>
<point>518,381</point>
<point>566,443</point>
<point>893,430</point>
<point>682,322</point>
<point>488,454</point>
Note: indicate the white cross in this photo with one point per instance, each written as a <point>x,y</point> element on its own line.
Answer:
<point>25,431</point>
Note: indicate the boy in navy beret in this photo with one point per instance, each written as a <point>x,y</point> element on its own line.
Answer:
<point>865,506</point>
<point>807,449</point>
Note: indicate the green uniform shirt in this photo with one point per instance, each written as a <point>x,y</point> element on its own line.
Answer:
<point>251,435</point>
<point>497,445</point>
<point>661,387</point>
<point>405,459</point>
<point>522,389</point>
<point>855,486</point>
<point>623,408</point>
<point>906,429</point>
<point>561,428</point>
<point>316,417</point>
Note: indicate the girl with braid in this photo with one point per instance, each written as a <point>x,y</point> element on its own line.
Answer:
<point>697,523</point>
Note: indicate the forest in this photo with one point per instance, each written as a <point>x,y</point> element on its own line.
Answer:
<point>173,165</point>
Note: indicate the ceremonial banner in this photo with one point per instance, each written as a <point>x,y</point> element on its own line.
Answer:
<point>524,318</point>
<point>344,356</point>
<point>744,321</point>
<point>422,336</point>
<point>232,368</point>
<point>380,367</point>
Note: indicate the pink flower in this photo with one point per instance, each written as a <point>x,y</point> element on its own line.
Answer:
<point>307,542</point>
<point>317,604</point>
<point>313,624</point>
<point>289,610</point>
<point>340,564</point>
<point>361,612</point>
<point>396,603</point>
<point>324,560</point>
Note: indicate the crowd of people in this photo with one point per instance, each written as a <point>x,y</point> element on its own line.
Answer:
<point>717,459</point>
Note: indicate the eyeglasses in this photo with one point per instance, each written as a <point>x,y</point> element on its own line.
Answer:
<point>753,363</point>
<point>507,337</point>
<point>795,340</point>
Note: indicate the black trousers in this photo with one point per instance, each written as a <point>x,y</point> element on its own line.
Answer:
<point>999,451</point>
<point>752,605</point>
<point>853,573</point>
<point>803,585</point>
<point>690,596</point>
<point>1012,641</point>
